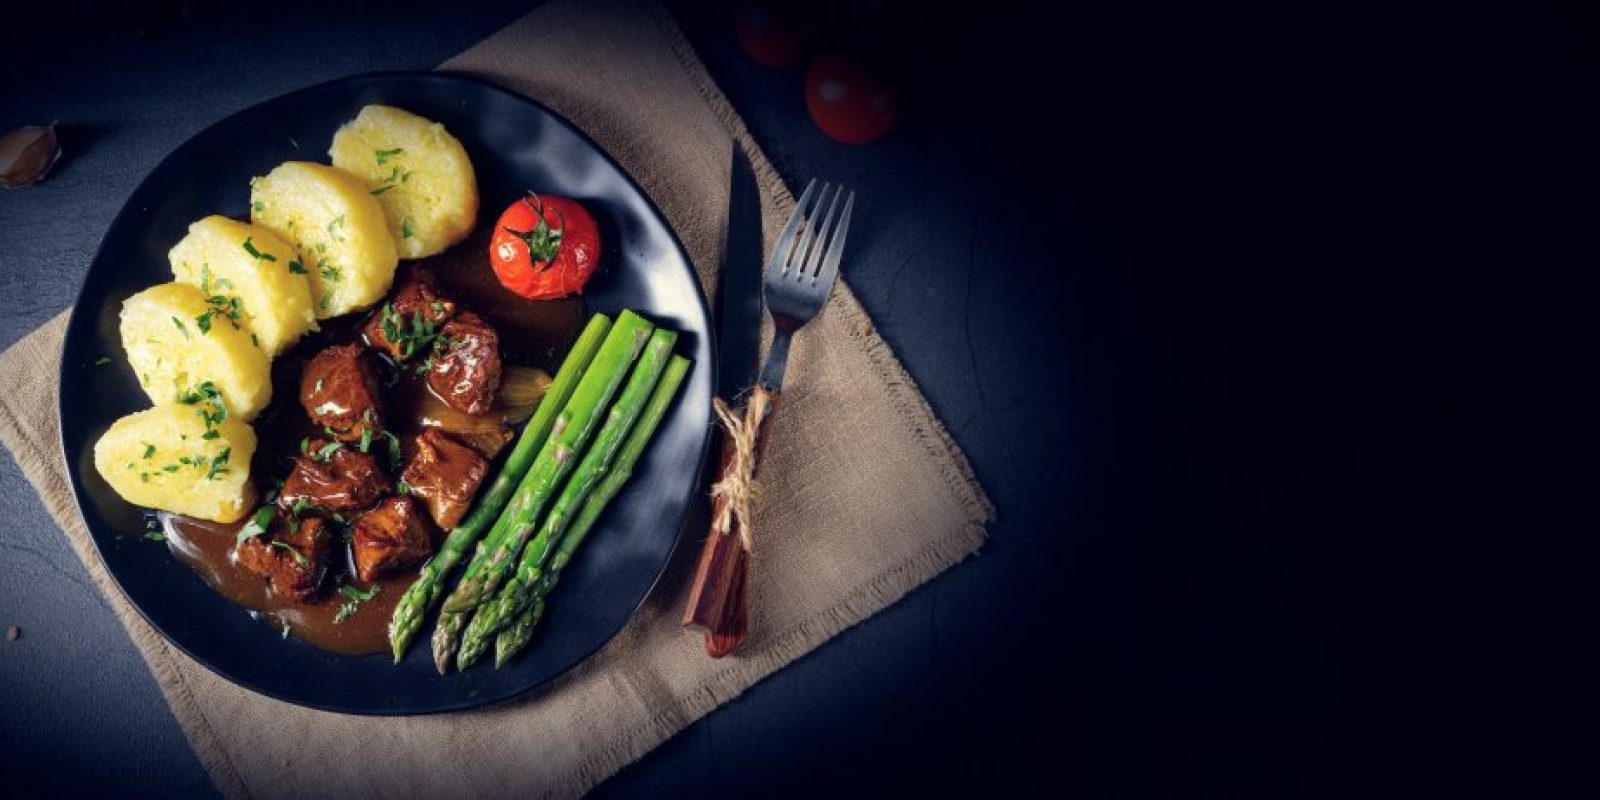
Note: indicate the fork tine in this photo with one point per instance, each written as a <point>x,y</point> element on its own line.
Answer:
<point>813,262</point>
<point>780,251</point>
<point>830,265</point>
<point>808,235</point>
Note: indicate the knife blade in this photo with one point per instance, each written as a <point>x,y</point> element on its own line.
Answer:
<point>739,286</point>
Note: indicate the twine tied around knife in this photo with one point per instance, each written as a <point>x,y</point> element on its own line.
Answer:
<point>738,485</point>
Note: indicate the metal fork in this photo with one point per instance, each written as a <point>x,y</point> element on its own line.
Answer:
<point>802,270</point>
<point>799,275</point>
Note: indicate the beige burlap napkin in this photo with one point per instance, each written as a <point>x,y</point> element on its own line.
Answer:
<point>869,496</point>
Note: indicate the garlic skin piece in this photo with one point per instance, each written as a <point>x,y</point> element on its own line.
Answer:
<point>27,154</point>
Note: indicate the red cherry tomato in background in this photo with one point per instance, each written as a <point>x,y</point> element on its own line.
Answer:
<point>771,33</point>
<point>544,247</point>
<point>848,102</point>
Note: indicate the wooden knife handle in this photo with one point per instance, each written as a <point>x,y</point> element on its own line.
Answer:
<point>719,599</point>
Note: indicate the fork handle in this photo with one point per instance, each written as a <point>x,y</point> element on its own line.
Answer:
<point>719,598</point>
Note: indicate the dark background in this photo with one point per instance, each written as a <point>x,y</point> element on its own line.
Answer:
<point>1233,311</point>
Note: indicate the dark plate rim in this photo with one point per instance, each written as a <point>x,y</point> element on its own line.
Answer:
<point>400,710</point>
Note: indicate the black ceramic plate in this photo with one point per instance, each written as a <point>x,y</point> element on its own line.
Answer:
<point>515,144</point>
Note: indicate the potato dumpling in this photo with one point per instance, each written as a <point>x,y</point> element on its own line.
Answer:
<point>417,170</point>
<point>244,272</point>
<point>177,342</point>
<point>337,228</point>
<point>161,458</point>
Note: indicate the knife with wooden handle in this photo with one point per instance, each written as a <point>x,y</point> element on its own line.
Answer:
<point>718,602</point>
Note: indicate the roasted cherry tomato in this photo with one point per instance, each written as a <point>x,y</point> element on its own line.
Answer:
<point>544,247</point>
<point>848,102</point>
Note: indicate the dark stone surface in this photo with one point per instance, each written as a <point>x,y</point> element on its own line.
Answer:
<point>1200,292</point>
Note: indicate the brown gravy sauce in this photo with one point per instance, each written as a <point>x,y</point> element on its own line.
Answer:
<point>532,333</point>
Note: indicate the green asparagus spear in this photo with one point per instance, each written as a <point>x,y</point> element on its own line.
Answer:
<point>514,597</point>
<point>517,636</point>
<point>570,434</point>
<point>447,630</point>
<point>414,605</point>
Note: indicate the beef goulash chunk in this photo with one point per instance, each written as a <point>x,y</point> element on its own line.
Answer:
<point>466,364</point>
<point>404,325</point>
<point>393,536</point>
<point>445,474</point>
<point>333,477</point>
<point>293,554</point>
<point>339,389</point>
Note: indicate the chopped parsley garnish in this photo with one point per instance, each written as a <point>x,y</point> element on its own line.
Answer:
<point>149,450</point>
<point>205,391</point>
<point>329,272</point>
<point>408,336</point>
<point>405,228</point>
<point>357,597</point>
<point>102,361</point>
<point>219,464</point>
<point>389,182</point>
<point>219,306</point>
<point>383,156</point>
<point>296,267</point>
<point>394,448</point>
<point>299,557</point>
<point>213,411</point>
<point>335,222</point>
<point>258,206</point>
<point>178,323</point>
<point>155,536</point>
<point>256,526</point>
<point>249,247</point>
<point>356,594</point>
